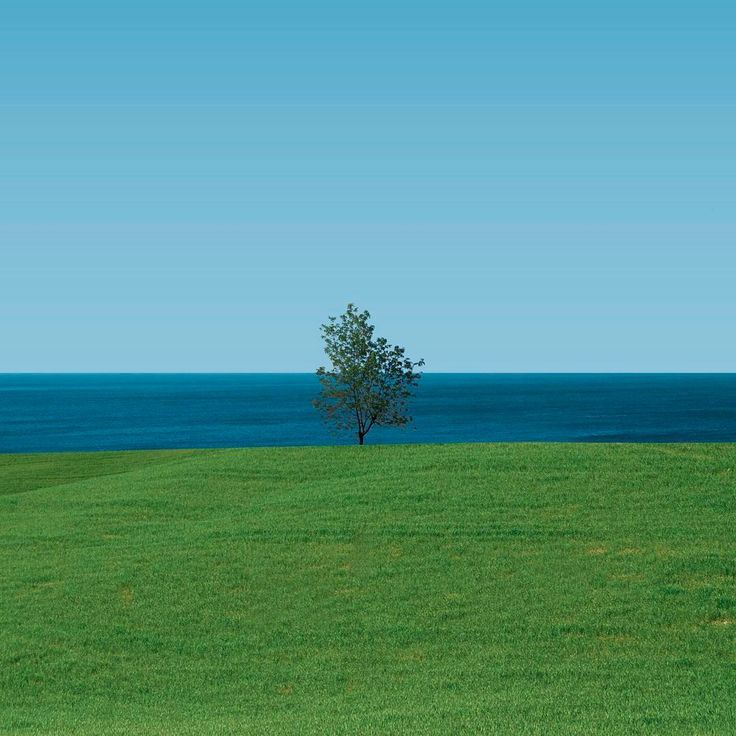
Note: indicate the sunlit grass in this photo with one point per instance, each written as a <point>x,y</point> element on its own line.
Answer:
<point>510,589</point>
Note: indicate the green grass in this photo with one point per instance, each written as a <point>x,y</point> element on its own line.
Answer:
<point>509,589</point>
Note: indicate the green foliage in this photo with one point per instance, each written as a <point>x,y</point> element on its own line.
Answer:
<point>370,381</point>
<point>523,590</point>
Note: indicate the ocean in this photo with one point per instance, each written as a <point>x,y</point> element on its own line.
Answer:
<point>49,412</point>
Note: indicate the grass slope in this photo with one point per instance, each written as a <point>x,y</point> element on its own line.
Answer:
<point>510,589</point>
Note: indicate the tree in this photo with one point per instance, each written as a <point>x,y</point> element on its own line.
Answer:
<point>370,382</point>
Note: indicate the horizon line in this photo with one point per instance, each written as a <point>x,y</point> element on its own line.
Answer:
<point>304,373</point>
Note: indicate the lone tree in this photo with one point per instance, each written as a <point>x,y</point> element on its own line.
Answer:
<point>370,382</point>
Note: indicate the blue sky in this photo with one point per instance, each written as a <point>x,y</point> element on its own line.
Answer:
<point>525,186</point>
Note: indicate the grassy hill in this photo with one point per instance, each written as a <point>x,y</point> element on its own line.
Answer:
<point>510,589</point>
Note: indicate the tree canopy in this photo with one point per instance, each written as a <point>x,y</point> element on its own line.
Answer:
<point>370,381</point>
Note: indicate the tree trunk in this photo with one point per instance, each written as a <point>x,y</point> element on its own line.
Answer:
<point>361,436</point>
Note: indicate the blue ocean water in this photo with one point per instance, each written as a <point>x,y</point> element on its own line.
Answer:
<point>46,412</point>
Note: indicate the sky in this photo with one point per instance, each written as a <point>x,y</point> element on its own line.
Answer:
<point>506,186</point>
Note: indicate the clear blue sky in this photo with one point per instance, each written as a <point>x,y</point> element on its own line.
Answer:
<point>516,186</point>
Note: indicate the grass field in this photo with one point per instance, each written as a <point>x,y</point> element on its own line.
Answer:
<point>500,589</point>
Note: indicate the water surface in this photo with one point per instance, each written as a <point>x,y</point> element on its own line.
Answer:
<point>47,412</point>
